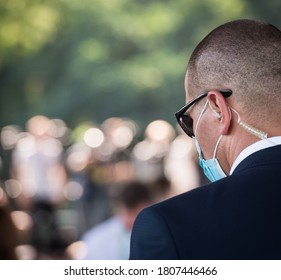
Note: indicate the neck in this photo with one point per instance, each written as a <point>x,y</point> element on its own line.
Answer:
<point>235,145</point>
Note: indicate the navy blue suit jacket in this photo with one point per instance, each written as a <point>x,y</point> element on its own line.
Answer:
<point>238,217</point>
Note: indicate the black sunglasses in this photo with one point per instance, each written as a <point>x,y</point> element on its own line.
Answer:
<point>185,121</point>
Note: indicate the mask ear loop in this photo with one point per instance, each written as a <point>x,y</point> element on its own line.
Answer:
<point>217,145</point>
<point>254,131</point>
<point>200,116</point>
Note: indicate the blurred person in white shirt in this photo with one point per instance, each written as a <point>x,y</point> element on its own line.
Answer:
<point>110,240</point>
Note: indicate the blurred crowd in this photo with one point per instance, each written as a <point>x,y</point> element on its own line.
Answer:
<point>74,193</point>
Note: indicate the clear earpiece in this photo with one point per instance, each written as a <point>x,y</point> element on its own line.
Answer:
<point>254,131</point>
<point>218,115</point>
<point>260,134</point>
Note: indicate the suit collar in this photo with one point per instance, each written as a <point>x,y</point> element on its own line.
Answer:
<point>267,156</point>
<point>262,144</point>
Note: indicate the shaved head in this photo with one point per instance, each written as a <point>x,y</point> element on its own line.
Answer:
<point>244,56</point>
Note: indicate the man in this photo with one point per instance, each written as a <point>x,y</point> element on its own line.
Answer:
<point>233,113</point>
<point>110,239</point>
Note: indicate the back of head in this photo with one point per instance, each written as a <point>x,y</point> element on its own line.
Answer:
<point>134,195</point>
<point>244,56</point>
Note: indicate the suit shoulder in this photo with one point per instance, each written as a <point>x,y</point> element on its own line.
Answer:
<point>183,200</point>
<point>151,237</point>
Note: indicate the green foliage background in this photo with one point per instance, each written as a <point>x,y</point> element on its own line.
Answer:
<point>93,59</point>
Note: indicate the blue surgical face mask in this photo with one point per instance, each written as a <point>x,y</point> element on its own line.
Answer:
<point>211,167</point>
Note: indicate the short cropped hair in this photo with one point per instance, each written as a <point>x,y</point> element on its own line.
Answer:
<point>244,56</point>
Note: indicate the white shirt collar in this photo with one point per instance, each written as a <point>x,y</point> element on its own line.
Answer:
<point>260,145</point>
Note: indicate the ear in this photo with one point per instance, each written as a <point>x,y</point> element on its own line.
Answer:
<point>220,108</point>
